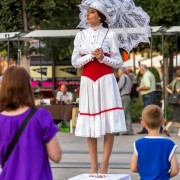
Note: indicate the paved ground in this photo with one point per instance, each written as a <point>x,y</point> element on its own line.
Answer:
<point>75,159</point>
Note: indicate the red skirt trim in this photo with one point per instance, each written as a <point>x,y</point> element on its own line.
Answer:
<point>95,114</point>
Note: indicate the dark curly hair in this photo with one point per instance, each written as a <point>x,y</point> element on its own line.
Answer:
<point>103,19</point>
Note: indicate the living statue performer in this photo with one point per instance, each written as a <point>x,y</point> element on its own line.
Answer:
<point>96,51</point>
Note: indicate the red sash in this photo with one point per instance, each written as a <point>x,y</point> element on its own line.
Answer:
<point>95,70</point>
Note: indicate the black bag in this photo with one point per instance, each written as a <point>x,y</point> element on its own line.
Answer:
<point>174,99</point>
<point>18,134</point>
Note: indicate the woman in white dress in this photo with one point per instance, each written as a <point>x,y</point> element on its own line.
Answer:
<point>100,109</point>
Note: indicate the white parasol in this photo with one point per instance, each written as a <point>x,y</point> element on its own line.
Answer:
<point>124,15</point>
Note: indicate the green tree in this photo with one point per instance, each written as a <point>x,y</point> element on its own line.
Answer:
<point>162,12</point>
<point>26,15</point>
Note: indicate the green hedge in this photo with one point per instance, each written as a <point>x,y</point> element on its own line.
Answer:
<point>155,73</point>
<point>136,108</point>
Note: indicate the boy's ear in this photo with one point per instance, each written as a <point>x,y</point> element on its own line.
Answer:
<point>142,123</point>
<point>163,121</point>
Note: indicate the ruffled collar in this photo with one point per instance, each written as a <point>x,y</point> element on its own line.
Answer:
<point>97,27</point>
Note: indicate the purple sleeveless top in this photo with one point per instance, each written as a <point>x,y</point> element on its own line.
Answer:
<point>29,159</point>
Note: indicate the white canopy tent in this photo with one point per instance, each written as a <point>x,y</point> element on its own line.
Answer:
<point>155,30</point>
<point>18,36</point>
<point>176,60</point>
<point>12,36</point>
<point>156,61</point>
<point>141,60</point>
<point>71,33</point>
<point>52,33</point>
<point>173,29</point>
<point>8,35</point>
<point>130,63</point>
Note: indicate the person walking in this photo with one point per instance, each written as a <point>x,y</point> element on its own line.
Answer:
<point>133,78</point>
<point>147,89</point>
<point>125,87</point>
<point>37,142</point>
<point>174,86</point>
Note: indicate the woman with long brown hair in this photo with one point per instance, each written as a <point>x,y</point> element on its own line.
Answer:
<point>38,141</point>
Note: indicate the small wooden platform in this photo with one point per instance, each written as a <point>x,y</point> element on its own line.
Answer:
<point>108,177</point>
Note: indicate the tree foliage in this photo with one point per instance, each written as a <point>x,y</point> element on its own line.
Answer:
<point>41,14</point>
<point>162,12</point>
<point>64,14</point>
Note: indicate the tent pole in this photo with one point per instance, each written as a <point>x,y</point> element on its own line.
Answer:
<point>163,72</point>
<point>7,36</point>
<point>53,67</point>
<point>176,49</point>
<point>40,58</point>
<point>134,59</point>
<point>19,51</point>
<point>151,47</point>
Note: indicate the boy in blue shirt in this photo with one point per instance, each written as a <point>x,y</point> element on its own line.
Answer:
<point>154,157</point>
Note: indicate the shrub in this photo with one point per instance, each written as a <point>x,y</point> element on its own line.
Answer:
<point>136,108</point>
<point>155,73</point>
<point>169,111</point>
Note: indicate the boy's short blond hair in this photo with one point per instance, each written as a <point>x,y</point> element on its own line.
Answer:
<point>152,116</point>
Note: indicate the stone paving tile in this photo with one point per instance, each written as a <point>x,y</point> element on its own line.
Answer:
<point>75,159</point>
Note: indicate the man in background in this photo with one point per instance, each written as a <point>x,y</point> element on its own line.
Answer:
<point>133,78</point>
<point>147,89</point>
<point>63,95</point>
<point>125,87</point>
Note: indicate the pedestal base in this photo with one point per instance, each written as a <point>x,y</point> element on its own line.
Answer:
<point>108,177</point>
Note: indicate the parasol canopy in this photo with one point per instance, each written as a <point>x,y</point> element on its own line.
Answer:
<point>125,15</point>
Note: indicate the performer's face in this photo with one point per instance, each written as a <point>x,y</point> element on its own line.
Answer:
<point>92,17</point>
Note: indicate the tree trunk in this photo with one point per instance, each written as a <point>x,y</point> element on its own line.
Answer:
<point>25,21</point>
<point>165,81</point>
<point>24,60</point>
<point>25,63</point>
<point>171,67</point>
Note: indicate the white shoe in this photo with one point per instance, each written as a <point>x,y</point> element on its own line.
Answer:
<point>102,175</point>
<point>93,175</point>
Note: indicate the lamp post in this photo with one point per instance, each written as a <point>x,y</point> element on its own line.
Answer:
<point>151,47</point>
<point>176,49</point>
<point>40,58</point>
<point>165,71</point>
<point>7,36</point>
<point>19,51</point>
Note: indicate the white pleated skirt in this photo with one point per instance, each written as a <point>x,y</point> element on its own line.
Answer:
<point>100,107</point>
